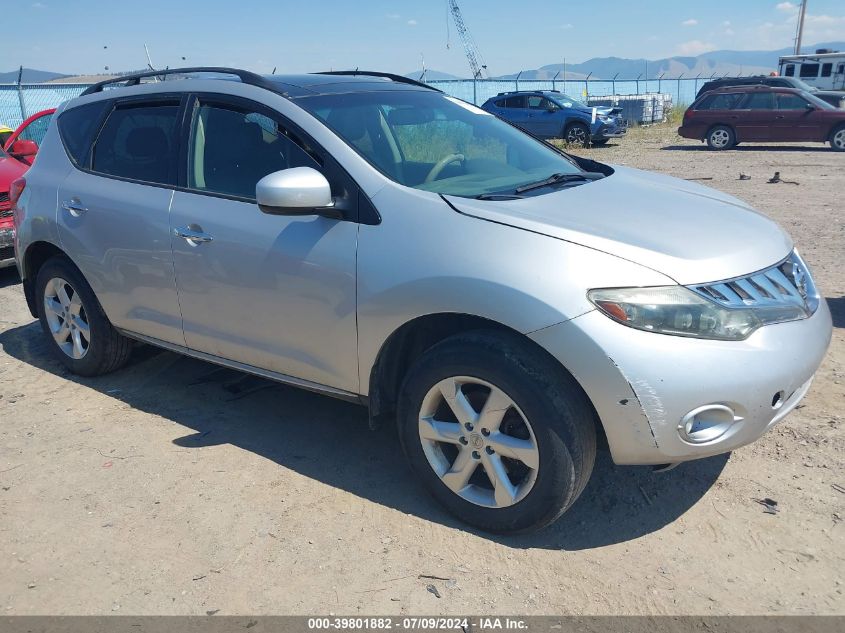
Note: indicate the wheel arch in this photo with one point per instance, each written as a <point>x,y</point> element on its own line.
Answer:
<point>409,341</point>
<point>35,256</point>
<point>731,127</point>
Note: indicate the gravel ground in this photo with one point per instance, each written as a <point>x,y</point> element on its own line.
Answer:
<point>174,487</point>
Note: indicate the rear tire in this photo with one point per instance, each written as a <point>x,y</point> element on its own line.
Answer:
<point>77,329</point>
<point>517,472</point>
<point>837,139</point>
<point>577,134</point>
<point>721,137</point>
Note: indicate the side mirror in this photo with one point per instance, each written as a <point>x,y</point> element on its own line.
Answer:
<point>296,191</point>
<point>22,148</point>
<point>809,106</point>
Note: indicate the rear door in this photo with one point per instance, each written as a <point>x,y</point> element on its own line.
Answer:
<point>114,206</point>
<point>515,110</point>
<point>755,117</point>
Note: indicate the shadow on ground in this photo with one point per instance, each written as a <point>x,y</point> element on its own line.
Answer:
<point>9,277</point>
<point>329,440</point>
<point>750,148</point>
<point>837,310</point>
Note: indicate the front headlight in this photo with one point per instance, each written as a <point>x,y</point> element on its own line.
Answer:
<point>679,311</point>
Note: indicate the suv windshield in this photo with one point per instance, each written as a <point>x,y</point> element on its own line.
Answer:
<point>569,102</point>
<point>433,142</point>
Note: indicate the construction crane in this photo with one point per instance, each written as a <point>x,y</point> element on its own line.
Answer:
<point>476,63</point>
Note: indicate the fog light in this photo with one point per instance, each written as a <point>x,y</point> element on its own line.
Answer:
<point>707,423</point>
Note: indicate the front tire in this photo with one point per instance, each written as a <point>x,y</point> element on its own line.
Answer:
<point>77,329</point>
<point>837,139</point>
<point>577,134</point>
<point>721,137</point>
<point>498,432</point>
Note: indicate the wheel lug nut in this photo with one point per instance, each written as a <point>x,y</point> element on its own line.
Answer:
<point>489,450</point>
<point>476,455</point>
<point>468,426</point>
<point>485,432</point>
<point>463,440</point>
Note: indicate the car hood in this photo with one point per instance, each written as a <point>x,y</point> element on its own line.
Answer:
<point>10,169</point>
<point>688,232</point>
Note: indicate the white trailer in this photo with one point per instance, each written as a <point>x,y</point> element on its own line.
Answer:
<point>824,70</point>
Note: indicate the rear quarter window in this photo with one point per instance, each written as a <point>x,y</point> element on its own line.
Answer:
<point>78,127</point>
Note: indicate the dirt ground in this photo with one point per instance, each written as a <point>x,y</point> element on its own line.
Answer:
<point>173,487</point>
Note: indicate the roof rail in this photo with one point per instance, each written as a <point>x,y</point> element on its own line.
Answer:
<point>134,79</point>
<point>372,73</point>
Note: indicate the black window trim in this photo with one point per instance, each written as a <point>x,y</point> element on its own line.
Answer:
<point>85,164</point>
<point>356,212</point>
<point>138,100</point>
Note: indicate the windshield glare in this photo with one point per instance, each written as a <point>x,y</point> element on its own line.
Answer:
<point>436,143</point>
<point>569,102</point>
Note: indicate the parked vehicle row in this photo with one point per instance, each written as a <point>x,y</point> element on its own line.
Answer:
<point>728,116</point>
<point>17,151</point>
<point>551,114</point>
<point>367,237</point>
<point>836,98</point>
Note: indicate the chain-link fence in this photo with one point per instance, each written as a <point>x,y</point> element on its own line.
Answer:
<point>682,90</point>
<point>19,101</point>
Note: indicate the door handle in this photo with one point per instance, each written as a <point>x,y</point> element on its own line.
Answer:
<point>191,236</point>
<point>74,207</point>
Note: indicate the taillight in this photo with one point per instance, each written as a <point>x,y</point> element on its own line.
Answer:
<point>688,113</point>
<point>16,190</point>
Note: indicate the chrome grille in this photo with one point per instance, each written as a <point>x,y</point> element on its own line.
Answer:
<point>786,283</point>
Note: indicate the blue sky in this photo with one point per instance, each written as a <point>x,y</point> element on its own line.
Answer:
<point>71,35</point>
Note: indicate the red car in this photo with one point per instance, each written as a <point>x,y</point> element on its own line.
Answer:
<point>728,116</point>
<point>15,158</point>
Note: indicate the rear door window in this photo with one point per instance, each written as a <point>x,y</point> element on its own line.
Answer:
<point>515,102</point>
<point>139,142</point>
<point>77,128</point>
<point>759,101</point>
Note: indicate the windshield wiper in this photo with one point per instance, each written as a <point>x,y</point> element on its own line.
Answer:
<point>497,196</point>
<point>560,178</point>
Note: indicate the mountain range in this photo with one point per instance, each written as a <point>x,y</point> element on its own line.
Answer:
<point>715,62</point>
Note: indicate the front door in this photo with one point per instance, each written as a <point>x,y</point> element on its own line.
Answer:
<point>795,119</point>
<point>544,117</point>
<point>273,292</point>
<point>33,130</point>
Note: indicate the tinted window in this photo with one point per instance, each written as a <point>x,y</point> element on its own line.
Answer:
<point>759,101</point>
<point>790,70</point>
<point>827,69</point>
<point>719,102</point>
<point>809,70</point>
<point>785,101</point>
<point>231,149</point>
<point>138,142</point>
<point>515,102</point>
<point>77,128</point>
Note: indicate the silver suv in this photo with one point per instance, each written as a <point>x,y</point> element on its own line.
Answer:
<point>367,237</point>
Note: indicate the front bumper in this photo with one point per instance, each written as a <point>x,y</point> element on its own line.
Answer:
<point>7,247</point>
<point>643,385</point>
<point>610,130</point>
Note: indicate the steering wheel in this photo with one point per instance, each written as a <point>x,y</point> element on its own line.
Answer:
<point>441,165</point>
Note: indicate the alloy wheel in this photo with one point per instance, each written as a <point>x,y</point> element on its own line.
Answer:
<point>576,135</point>
<point>67,318</point>
<point>478,442</point>
<point>720,138</point>
<point>838,140</point>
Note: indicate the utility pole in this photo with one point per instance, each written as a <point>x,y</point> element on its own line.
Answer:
<point>800,32</point>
